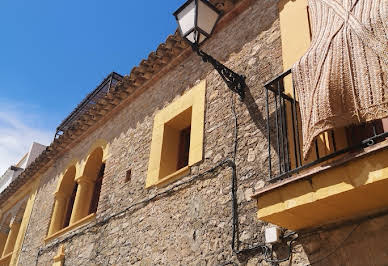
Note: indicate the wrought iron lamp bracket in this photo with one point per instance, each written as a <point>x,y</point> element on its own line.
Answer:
<point>235,82</point>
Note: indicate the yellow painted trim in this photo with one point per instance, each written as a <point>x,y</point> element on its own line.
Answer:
<point>24,224</point>
<point>172,177</point>
<point>82,222</point>
<point>60,257</point>
<point>351,190</point>
<point>195,99</point>
<point>17,196</point>
<point>294,30</point>
<point>296,40</point>
<point>74,162</point>
<point>99,143</point>
<point>78,176</point>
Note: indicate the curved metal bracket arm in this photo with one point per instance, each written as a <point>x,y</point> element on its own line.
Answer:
<point>235,82</point>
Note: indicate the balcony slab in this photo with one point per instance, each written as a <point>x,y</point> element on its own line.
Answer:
<point>353,186</point>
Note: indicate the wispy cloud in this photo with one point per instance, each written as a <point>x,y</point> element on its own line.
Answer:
<point>20,125</point>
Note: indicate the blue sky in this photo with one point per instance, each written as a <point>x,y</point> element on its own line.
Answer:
<point>52,53</point>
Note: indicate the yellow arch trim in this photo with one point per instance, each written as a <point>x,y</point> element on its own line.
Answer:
<point>99,143</point>
<point>73,162</point>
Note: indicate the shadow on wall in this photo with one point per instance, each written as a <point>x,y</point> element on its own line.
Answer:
<point>361,243</point>
<point>223,45</point>
<point>256,114</point>
<point>228,46</point>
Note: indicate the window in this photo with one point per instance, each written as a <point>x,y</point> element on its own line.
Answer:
<point>97,190</point>
<point>64,201</point>
<point>176,141</point>
<point>69,207</point>
<point>78,193</point>
<point>11,229</point>
<point>184,148</point>
<point>177,138</point>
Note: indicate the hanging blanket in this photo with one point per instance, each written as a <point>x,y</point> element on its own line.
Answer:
<point>343,77</point>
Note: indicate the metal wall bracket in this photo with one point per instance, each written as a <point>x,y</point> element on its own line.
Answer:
<point>235,82</point>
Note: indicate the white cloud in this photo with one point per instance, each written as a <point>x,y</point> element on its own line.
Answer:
<point>19,127</point>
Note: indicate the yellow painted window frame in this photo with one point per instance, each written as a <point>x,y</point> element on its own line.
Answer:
<point>80,223</point>
<point>194,98</point>
<point>79,175</point>
<point>29,189</point>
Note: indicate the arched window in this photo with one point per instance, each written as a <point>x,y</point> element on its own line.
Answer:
<point>69,207</point>
<point>4,230</point>
<point>89,186</point>
<point>64,201</point>
<point>9,232</point>
<point>97,190</point>
<point>77,196</point>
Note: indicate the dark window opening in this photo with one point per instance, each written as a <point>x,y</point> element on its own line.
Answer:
<point>70,206</point>
<point>97,190</point>
<point>184,148</point>
<point>128,176</point>
<point>357,133</point>
<point>176,144</point>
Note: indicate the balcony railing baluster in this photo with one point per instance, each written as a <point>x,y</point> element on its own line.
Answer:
<point>278,132</point>
<point>268,135</point>
<point>110,81</point>
<point>278,123</point>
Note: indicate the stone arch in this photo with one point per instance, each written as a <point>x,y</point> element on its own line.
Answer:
<point>10,227</point>
<point>97,146</point>
<point>100,143</point>
<point>93,164</point>
<point>77,167</point>
<point>79,187</point>
<point>64,200</point>
<point>90,182</point>
<point>67,181</point>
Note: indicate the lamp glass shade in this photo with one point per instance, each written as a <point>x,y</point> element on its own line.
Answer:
<point>186,18</point>
<point>197,20</point>
<point>207,17</point>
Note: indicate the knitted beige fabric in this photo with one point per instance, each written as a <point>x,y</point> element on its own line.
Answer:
<point>343,77</point>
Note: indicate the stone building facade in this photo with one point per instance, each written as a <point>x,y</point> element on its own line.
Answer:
<point>205,215</point>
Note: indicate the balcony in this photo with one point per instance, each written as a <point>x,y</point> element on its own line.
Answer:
<point>345,177</point>
<point>91,99</point>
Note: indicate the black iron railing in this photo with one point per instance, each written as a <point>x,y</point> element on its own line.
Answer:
<point>284,133</point>
<point>91,99</point>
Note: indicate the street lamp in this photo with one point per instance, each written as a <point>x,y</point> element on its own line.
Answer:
<point>197,20</point>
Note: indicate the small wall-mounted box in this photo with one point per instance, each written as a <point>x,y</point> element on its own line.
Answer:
<point>272,234</point>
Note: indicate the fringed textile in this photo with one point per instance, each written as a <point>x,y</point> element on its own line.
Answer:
<point>343,77</point>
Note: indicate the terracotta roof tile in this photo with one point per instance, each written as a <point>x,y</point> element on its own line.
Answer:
<point>147,69</point>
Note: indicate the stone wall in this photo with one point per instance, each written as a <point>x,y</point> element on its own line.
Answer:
<point>357,243</point>
<point>193,224</point>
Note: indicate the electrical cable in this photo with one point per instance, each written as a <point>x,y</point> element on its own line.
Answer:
<point>226,162</point>
<point>269,251</point>
<point>234,178</point>
<point>262,247</point>
<point>229,162</point>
